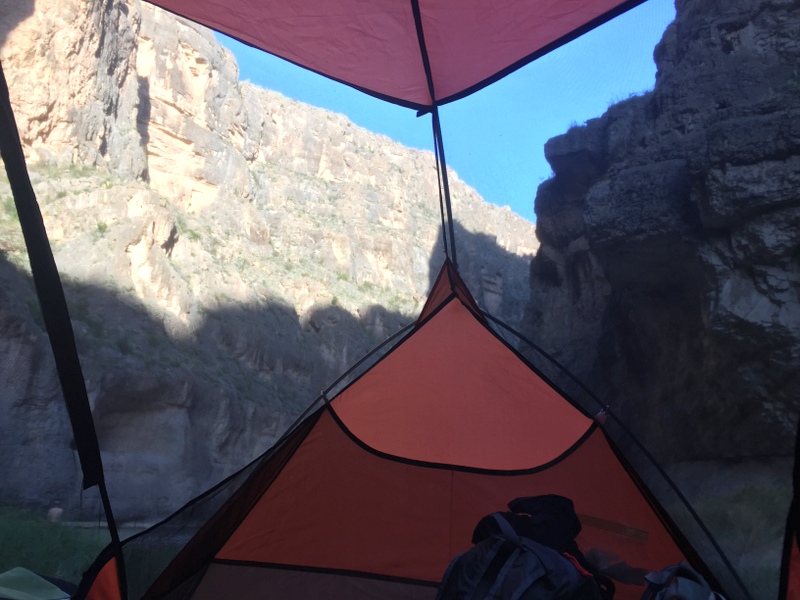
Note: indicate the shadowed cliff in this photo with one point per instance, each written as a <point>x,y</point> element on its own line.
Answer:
<point>668,275</point>
<point>668,278</point>
<point>177,412</point>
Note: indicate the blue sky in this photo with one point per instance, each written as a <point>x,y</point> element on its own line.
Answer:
<point>494,139</point>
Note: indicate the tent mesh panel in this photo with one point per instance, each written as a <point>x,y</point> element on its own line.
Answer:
<point>148,554</point>
<point>684,520</point>
<point>367,362</point>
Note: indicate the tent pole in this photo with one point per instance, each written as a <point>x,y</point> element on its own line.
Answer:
<point>445,244</point>
<point>437,127</point>
<point>448,230</point>
<point>55,315</point>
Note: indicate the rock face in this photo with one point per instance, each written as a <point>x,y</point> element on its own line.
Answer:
<point>668,275</point>
<point>226,251</point>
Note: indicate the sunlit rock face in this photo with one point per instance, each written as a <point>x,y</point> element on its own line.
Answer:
<point>227,252</point>
<point>668,276</point>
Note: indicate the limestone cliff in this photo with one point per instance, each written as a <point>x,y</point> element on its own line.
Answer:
<point>668,276</point>
<point>226,251</point>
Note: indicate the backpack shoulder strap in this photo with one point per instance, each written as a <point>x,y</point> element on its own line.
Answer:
<point>506,529</point>
<point>487,581</point>
<point>683,588</point>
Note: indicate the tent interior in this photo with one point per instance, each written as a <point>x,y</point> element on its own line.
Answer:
<point>382,484</point>
<point>379,484</point>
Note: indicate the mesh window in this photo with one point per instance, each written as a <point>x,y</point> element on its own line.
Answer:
<point>681,517</point>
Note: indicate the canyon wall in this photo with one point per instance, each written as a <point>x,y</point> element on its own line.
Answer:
<point>227,251</point>
<point>668,276</point>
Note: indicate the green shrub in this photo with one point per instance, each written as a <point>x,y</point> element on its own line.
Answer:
<point>80,170</point>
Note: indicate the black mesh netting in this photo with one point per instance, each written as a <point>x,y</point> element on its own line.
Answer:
<point>168,559</point>
<point>679,514</point>
<point>173,554</point>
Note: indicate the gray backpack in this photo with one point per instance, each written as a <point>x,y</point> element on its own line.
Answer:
<point>512,567</point>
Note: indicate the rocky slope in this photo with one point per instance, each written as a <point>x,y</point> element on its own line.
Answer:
<point>226,251</point>
<point>668,276</point>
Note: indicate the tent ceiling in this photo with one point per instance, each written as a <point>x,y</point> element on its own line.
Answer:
<point>373,45</point>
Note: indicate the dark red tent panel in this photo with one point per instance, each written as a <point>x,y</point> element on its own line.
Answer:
<point>376,491</point>
<point>790,565</point>
<point>375,46</point>
<point>790,569</point>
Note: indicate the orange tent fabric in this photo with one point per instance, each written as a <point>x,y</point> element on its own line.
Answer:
<point>454,394</point>
<point>374,46</point>
<point>106,584</point>
<point>790,582</point>
<point>363,513</point>
<point>382,485</point>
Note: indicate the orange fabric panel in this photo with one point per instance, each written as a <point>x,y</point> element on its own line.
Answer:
<point>374,45</point>
<point>441,290</point>
<point>338,506</point>
<point>369,45</point>
<point>793,579</point>
<point>448,282</point>
<point>453,394</point>
<point>616,518</point>
<point>106,584</point>
<point>469,41</point>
